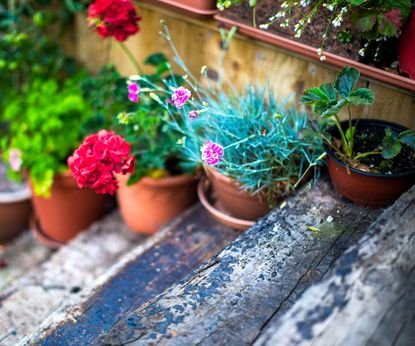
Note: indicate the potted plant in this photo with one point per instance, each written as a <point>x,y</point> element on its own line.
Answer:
<point>45,127</point>
<point>370,162</point>
<point>362,34</point>
<point>254,149</point>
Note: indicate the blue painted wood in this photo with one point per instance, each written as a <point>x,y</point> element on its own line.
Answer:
<point>196,238</point>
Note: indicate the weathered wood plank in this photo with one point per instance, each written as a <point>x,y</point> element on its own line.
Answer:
<point>192,239</point>
<point>34,296</point>
<point>369,297</point>
<point>247,61</point>
<point>228,300</point>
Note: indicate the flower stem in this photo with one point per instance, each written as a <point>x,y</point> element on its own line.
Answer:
<point>361,156</point>
<point>131,57</point>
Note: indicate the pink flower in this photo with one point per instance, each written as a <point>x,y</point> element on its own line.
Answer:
<point>133,92</point>
<point>193,114</point>
<point>97,160</point>
<point>15,159</point>
<point>180,96</point>
<point>211,152</point>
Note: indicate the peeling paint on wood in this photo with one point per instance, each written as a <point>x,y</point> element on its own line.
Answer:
<point>368,298</point>
<point>232,297</point>
<point>35,295</point>
<point>190,240</point>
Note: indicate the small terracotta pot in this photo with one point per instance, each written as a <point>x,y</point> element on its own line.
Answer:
<point>15,211</point>
<point>151,203</point>
<point>368,189</point>
<point>239,203</point>
<point>69,210</point>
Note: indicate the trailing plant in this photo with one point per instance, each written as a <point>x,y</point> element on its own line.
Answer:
<point>329,99</point>
<point>44,129</point>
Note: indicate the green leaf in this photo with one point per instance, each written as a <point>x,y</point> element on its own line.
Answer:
<point>391,147</point>
<point>346,80</point>
<point>334,108</point>
<point>408,137</point>
<point>350,132</point>
<point>361,96</point>
<point>312,95</point>
<point>364,21</point>
<point>156,60</point>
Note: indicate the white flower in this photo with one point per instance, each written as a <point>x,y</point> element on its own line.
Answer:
<point>319,51</point>
<point>264,26</point>
<point>323,58</point>
<point>362,52</point>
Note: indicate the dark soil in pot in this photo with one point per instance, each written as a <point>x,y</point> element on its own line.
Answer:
<point>379,54</point>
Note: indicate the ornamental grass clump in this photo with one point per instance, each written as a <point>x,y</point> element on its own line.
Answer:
<point>255,139</point>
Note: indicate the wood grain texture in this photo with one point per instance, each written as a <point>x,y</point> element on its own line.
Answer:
<point>231,298</point>
<point>167,257</point>
<point>247,61</point>
<point>369,297</point>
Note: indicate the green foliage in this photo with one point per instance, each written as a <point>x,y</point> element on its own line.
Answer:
<point>106,94</point>
<point>29,49</point>
<point>329,99</point>
<point>153,141</point>
<point>267,145</point>
<point>45,127</point>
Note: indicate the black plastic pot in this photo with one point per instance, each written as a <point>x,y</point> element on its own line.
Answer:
<point>363,188</point>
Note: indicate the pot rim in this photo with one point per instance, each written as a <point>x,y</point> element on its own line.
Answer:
<point>374,122</point>
<point>18,196</point>
<point>174,180</point>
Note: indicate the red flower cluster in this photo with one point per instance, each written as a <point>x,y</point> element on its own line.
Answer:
<point>116,18</point>
<point>97,160</point>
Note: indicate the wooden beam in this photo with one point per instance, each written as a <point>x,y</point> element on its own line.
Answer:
<point>232,297</point>
<point>368,299</point>
<point>169,256</point>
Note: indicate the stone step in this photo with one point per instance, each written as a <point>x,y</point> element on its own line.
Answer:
<point>32,297</point>
<point>18,257</point>
<point>142,274</point>
<point>231,299</point>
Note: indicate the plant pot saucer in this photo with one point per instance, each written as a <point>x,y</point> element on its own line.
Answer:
<point>210,203</point>
<point>41,236</point>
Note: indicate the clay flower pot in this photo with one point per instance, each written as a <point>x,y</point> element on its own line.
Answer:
<point>363,188</point>
<point>68,211</point>
<point>231,197</point>
<point>196,8</point>
<point>15,211</point>
<point>151,203</point>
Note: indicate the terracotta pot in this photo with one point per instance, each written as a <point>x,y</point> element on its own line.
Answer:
<point>69,210</point>
<point>15,211</point>
<point>406,49</point>
<point>239,203</point>
<point>368,189</point>
<point>311,52</point>
<point>196,8</point>
<point>151,203</point>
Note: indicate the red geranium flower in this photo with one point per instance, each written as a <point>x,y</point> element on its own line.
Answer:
<point>97,160</point>
<point>118,18</point>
